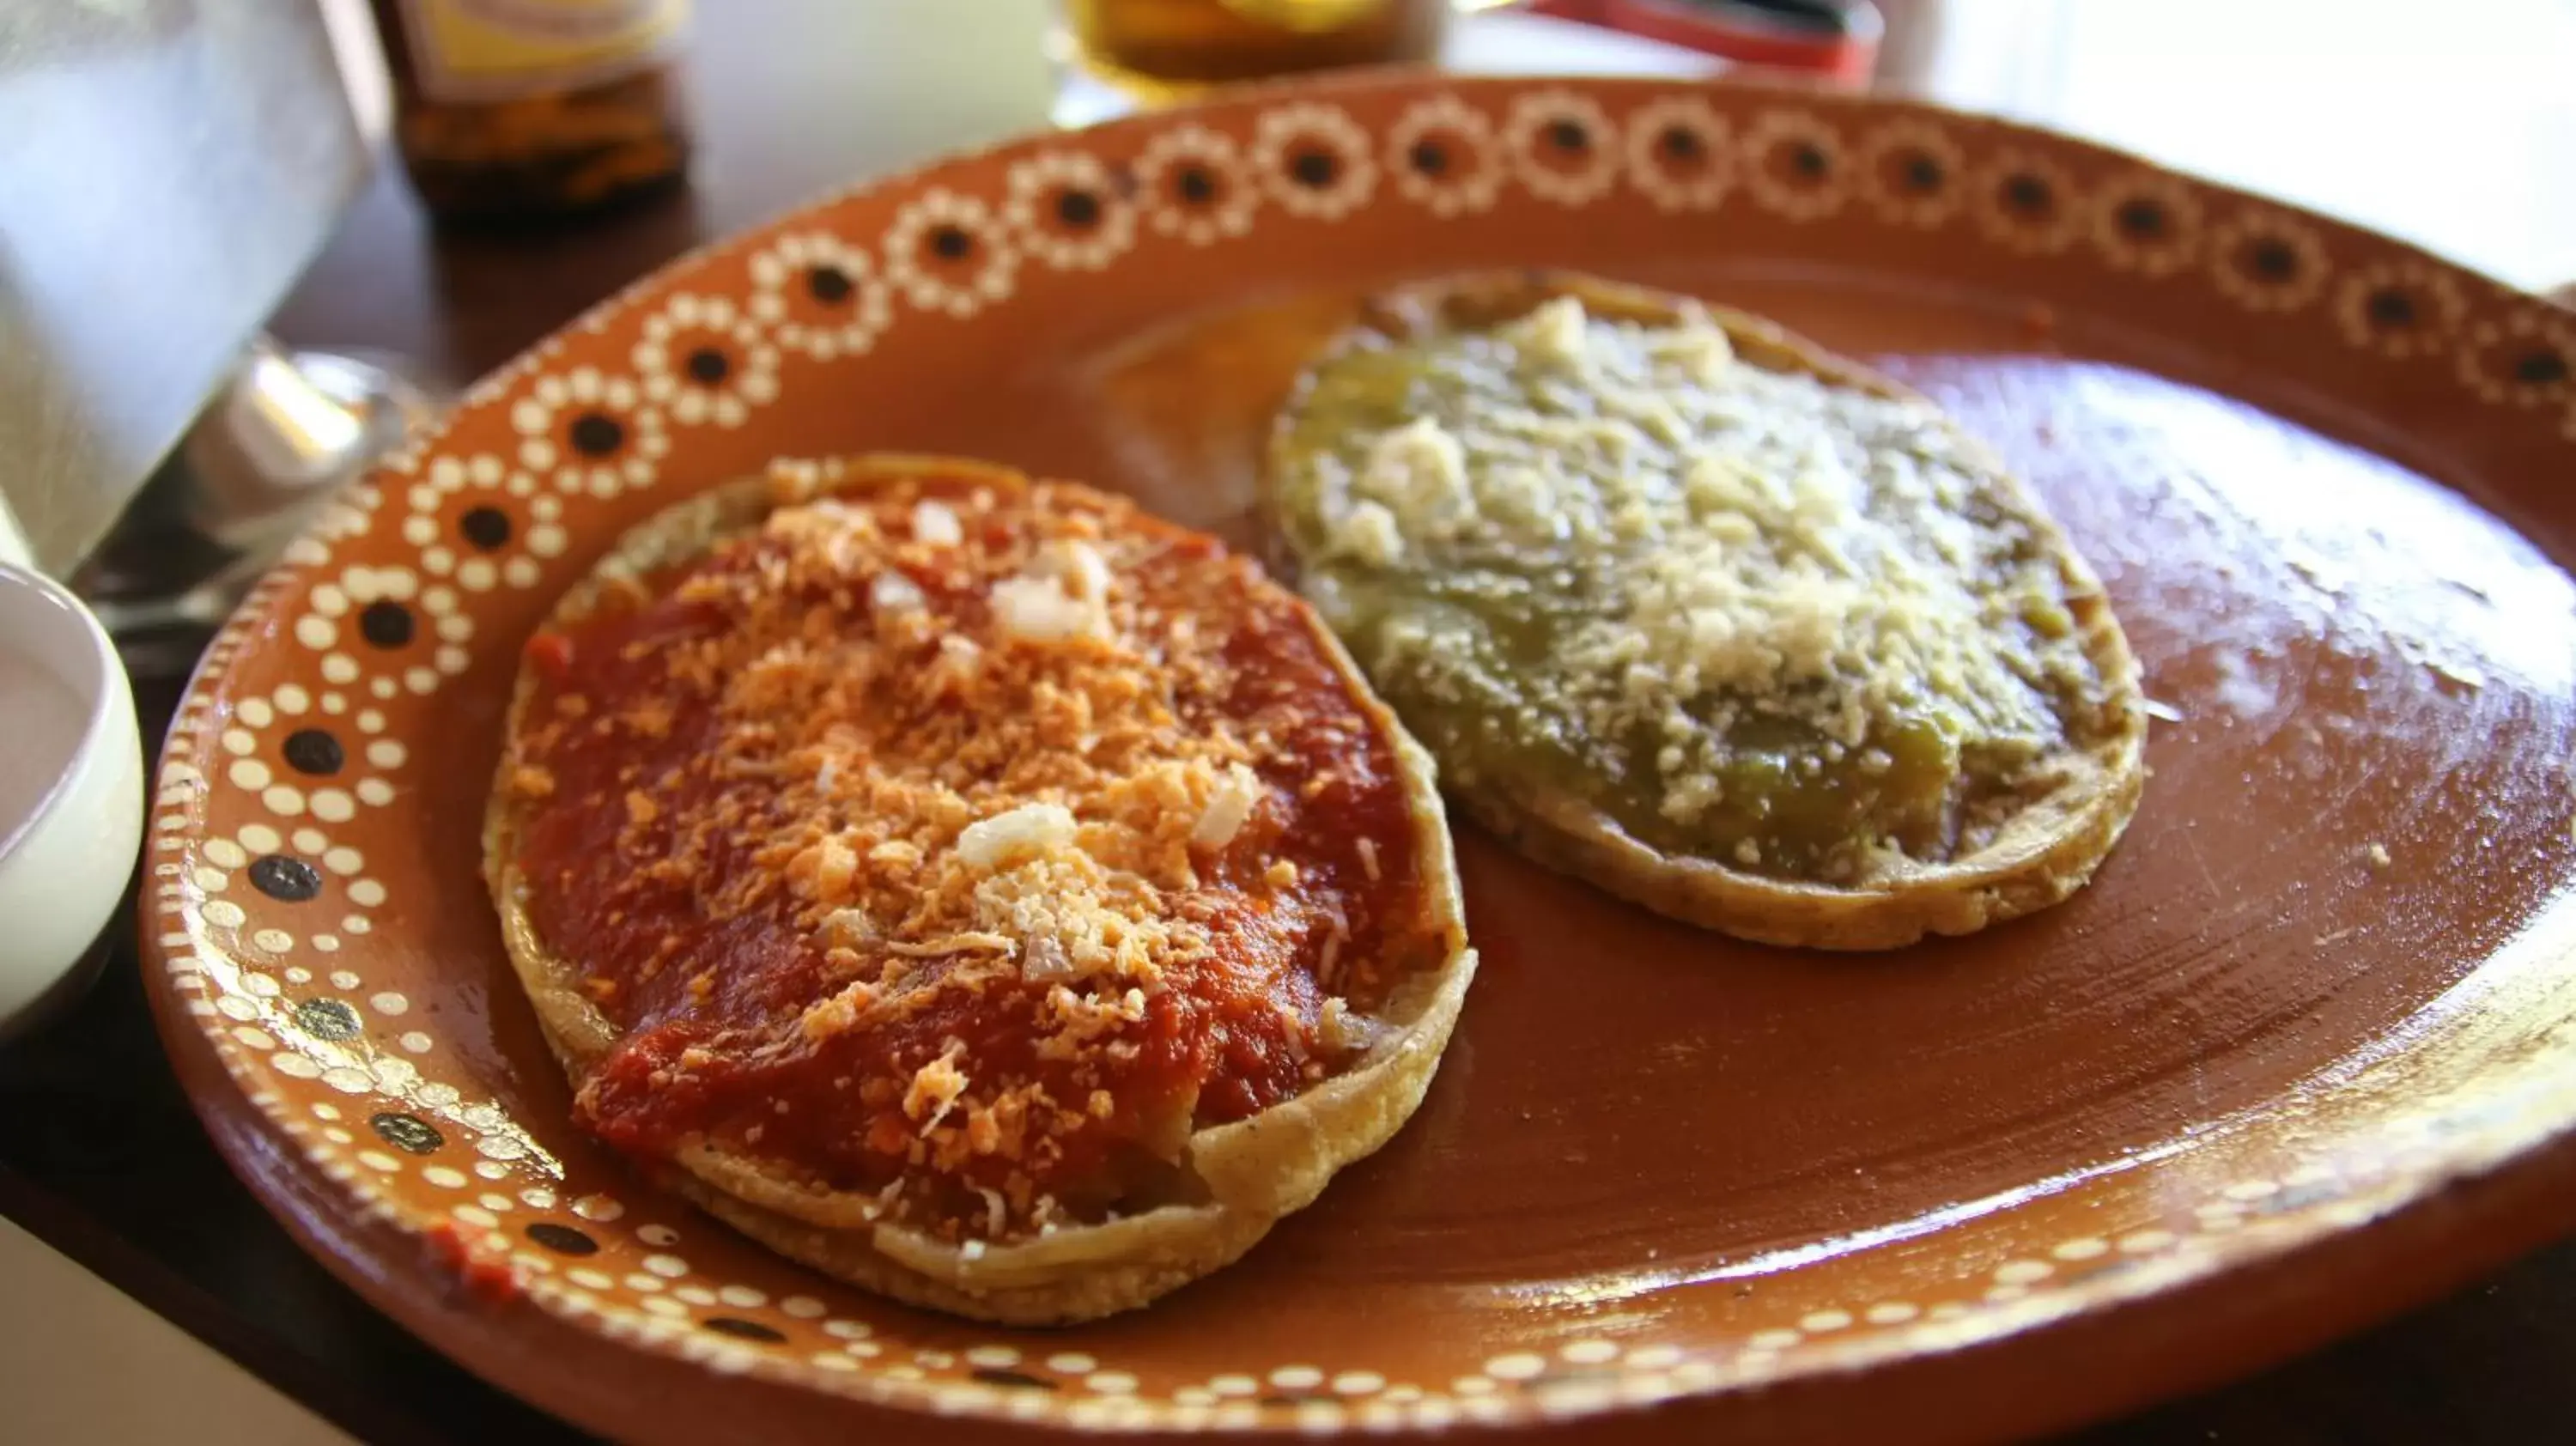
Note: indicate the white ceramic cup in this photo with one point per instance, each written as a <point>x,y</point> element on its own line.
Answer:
<point>71,791</point>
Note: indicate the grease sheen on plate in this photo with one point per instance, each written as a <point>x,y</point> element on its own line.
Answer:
<point>2175,1123</point>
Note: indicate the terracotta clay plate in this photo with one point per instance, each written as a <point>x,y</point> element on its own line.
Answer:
<point>2305,1052</point>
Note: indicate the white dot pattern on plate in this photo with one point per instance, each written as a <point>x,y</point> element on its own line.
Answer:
<point>1516,1366</point>
<point>392,600</point>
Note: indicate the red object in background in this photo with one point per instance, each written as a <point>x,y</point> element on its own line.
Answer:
<point>1838,41</point>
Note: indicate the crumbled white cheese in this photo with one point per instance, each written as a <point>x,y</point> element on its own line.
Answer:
<point>936,524</point>
<point>1064,594</point>
<point>1419,471</point>
<point>1517,496</point>
<point>892,592</point>
<point>1037,610</point>
<point>1702,352</point>
<point>1552,334</point>
<point>1369,532</point>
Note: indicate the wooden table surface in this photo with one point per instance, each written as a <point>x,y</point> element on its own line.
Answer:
<point>101,1157</point>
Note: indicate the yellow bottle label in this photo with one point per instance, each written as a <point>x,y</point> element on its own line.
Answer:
<point>468,50</point>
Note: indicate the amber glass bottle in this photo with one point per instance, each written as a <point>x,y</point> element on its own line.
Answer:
<point>520,110</point>
<point>1165,50</point>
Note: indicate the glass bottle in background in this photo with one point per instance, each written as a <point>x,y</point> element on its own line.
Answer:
<point>1156,52</point>
<point>528,110</point>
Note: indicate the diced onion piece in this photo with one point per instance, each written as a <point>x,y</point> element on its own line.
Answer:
<point>1031,828</point>
<point>848,928</point>
<point>1237,793</point>
<point>1079,566</point>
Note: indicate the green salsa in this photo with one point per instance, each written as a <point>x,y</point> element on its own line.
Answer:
<point>1797,628</point>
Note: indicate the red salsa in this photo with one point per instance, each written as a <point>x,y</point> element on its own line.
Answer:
<point>961,846</point>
